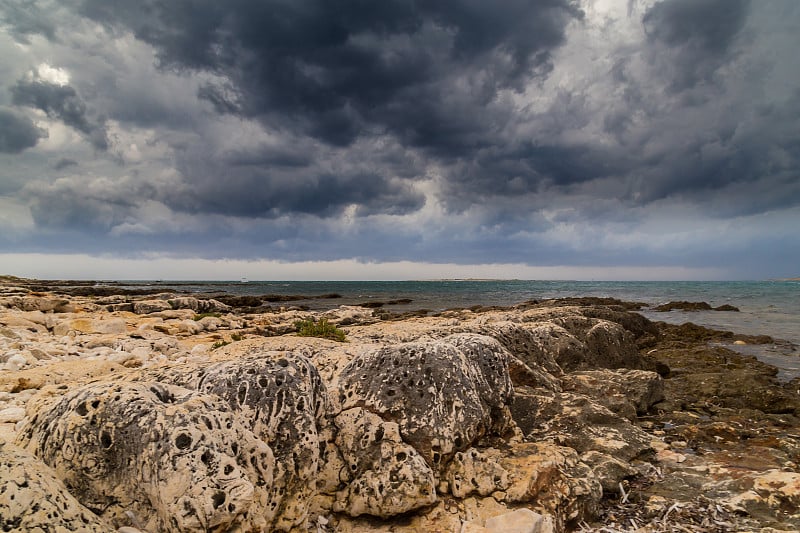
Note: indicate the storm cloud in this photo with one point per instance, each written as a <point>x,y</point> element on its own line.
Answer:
<point>542,132</point>
<point>60,102</point>
<point>17,132</point>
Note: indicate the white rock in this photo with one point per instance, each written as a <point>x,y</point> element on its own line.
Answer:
<point>11,415</point>
<point>520,521</point>
<point>15,362</point>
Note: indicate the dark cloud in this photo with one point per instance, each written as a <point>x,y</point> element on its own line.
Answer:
<point>63,103</point>
<point>697,35</point>
<point>25,19</point>
<point>338,71</point>
<point>271,183</point>
<point>17,132</point>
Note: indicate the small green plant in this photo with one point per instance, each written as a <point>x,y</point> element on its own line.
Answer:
<point>219,344</point>
<point>236,336</point>
<point>321,328</point>
<point>203,315</point>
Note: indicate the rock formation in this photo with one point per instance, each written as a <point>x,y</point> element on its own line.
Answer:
<point>138,414</point>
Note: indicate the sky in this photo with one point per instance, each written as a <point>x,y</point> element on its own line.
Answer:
<point>400,139</point>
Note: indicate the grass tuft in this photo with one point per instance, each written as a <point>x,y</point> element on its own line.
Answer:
<point>321,328</point>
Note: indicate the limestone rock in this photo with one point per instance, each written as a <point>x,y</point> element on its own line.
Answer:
<point>90,326</point>
<point>145,307</point>
<point>608,470</point>
<point>579,422</point>
<point>177,459</point>
<point>38,303</point>
<point>473,472</point>
<point>281,398</point>
<point>551,479</point>
<point>520,521</point>
<point>33,499</point>
<point>444,395</point>
<point>387,476</point>
<point>625,392</point>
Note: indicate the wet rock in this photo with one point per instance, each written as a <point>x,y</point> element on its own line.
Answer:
<point>444,395</point>
<point>626,392</point>
<point>177,459</point>
<point>693,306</point>
<point>33,499</point>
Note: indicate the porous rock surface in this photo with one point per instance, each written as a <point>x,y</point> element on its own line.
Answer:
<point>174,459</point>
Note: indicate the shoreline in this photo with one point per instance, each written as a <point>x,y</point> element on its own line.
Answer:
<point>655,423</point>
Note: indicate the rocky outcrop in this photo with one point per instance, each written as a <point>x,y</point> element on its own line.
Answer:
<point>444,395</point>
<point>540,417</point>
<point>175,459</point>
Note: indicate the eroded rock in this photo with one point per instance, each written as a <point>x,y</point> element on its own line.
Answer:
<point>177,459</point>
<point>444,395</point>
<point>32,498</point>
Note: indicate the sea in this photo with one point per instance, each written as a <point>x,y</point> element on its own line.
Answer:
<point>765,307</point>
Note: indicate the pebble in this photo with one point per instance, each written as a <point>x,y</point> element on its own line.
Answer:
<point>11,415</point>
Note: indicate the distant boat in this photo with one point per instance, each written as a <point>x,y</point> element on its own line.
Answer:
<point>243,280</point>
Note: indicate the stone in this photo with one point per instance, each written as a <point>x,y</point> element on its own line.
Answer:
<point>32,498</point>
<point>90,326</point>
<point>145,307</point>
<point>386,476</point>
<point>445,395</point>
<point>176,459</point>
<point>520,521</point>
<point>626,392</point>
<point>281,398</point>
<point>579,422</point>
<point>11,414</point>
<point>473,472</point>
<point>551,479</point>
<point>608,470</point>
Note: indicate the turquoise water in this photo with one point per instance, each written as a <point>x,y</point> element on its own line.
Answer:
<point>766,307</point>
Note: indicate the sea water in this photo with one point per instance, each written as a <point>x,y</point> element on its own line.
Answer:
<point>765,307</point>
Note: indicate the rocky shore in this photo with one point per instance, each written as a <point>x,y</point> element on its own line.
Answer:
<point>164,412</point>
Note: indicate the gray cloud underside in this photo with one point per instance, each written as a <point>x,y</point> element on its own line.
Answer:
<point>17,132</point>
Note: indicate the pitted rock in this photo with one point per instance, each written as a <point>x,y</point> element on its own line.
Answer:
<point>32,498</point>
<point>384,476</point>
<point>177,459</point>
<point>440,396</point>
<point>281,398</point>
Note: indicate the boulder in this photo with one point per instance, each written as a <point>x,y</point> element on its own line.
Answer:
<point>626,392</point>
<point>387,477</point>
<point>178,460</point>
<point>579,422</point>
<point>145,307</point>
<point>32,498</point>
<point>444,395</point>
<point>280,397</point>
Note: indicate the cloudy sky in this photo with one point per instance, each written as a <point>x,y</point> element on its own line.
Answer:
<point>319,139</point>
